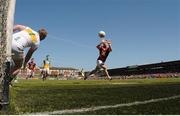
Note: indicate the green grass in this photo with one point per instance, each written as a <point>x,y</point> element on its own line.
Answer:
<point>29,96</point>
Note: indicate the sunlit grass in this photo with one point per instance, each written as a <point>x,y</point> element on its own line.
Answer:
<point>29,96</point>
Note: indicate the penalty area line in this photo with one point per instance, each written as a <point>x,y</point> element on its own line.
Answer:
<point>82,110</point>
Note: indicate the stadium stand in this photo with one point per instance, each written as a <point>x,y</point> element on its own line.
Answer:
<point>163,69</point>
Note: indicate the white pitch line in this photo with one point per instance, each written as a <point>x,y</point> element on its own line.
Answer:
<point>81,110</point>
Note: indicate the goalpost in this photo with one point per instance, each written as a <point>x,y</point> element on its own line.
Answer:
<point>7,8</point>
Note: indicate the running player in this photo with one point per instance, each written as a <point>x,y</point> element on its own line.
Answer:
<point>104,49</point>
<point>46,66</point>
<point>81,73</point>
<point>24,38</point>
<point>31,68</point>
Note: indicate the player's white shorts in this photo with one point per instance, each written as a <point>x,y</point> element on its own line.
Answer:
<point>17,53</point>
<point>30,72</point>
<point>46,70</point>
<point>100,64</point>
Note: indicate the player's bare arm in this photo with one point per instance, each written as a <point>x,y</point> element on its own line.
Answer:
<point>28,56</point>
<point>18,28</point>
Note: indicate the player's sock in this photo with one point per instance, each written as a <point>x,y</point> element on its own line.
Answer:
<point>110,78</point>
<point>85,76</point>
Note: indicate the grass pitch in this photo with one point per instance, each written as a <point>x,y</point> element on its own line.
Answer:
<point>31,96</point>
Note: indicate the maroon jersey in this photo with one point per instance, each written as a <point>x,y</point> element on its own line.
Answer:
<point>104,50</point>
<point>31,65</point>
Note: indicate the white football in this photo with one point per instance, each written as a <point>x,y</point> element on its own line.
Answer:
<point>102,34</point>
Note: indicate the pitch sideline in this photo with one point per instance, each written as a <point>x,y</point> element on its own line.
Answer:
<point>81,110</point>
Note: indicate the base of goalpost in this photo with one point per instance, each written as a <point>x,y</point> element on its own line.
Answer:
<point>5,88</point>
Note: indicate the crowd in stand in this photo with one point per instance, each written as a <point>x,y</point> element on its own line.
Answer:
<point>144,76</point>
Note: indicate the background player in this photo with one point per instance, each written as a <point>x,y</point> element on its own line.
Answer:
<point>46,66</point>
<point>31,68</point>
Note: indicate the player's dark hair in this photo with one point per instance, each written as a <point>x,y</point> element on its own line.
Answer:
<point>42,33</point>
